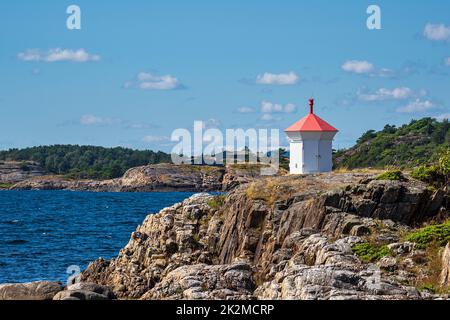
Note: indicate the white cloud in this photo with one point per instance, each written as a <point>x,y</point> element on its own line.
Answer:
<point>269,107</point>
<point>357,66</point>
<point>91,120</point>
<point>267,117</point>
<point>211,123</point>
<point>245,110</point>
<point>148,81</point>
<point>155,139</point>
<point>443,117</point>
<point>437,32</point>
<point>290,108</point>
<point>139,125</point>
<point>416,106</point>
<point>367,68</point>
<point>281,79</point>
<point>58,54</point>
<point>387,94</point>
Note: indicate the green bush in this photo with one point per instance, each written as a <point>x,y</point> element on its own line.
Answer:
<point>444,162</point>
<point>395,175</point>
<point>437,174</point>
<point>427,236</point>
<point>368,252</point>
<point>216,203</point>
<point>84,162</point>
<point>426,174</point>
<point>417,143</point>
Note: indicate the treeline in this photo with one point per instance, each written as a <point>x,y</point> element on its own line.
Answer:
<point>417,143</point>
<point>86,162</point>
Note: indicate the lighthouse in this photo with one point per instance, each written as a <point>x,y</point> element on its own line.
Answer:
<point>311,141</point>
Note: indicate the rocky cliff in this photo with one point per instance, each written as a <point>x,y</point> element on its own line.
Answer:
<point>328,236</point>
<point>160,177</point>
<point>12,171</point>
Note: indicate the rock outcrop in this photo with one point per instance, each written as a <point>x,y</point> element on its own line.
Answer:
<point>278,238</point>
<point>44,290</point>
<point>12,171</point>
<point>160,177</point>
<point>40,290</point>
<point>445,275</point>
<point>85,291</point>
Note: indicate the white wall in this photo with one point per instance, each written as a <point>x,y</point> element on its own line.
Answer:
<point>296,158</point>
<point>326,158</point>
<point>311,152</point>
<point>311,156</point>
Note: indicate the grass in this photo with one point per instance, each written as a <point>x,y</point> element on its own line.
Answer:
<point>394,175</point>
<point>216,203</point>
<point>6,185</point>
<point>248,166</point>
<point>423,238</point>
<point>433,266</point>
<point>369,252</point>
<point>267,192</point>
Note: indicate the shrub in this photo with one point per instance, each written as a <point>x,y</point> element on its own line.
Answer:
<point>427,236</point>
<point>368,252</point>
<point>428,287</point>
<point>437,174</point>
<point>444,164</point>
<point>216,203</point>
<point>426,174</point>
<point>395,175</point>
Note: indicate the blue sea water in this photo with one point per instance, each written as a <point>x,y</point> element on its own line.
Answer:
<point>43,233</point>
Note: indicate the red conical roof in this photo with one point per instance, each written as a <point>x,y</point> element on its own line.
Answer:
<point>311,123</point>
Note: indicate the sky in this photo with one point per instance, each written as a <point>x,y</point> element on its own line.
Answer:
<point>138,70</point>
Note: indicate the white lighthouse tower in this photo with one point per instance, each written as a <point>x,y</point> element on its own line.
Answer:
<point>311,141</point>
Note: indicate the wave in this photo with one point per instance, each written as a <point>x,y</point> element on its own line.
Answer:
<point>16,241</point>
<point>11,222</point>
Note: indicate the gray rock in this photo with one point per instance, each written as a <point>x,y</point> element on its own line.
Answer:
<point>40,290</point>
<point>401,248</point>
<point>93,287</point>
<point>388,264</point>
<point>297,247</point>
<point>79,295</point>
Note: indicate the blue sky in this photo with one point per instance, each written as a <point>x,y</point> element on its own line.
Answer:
<point>137,70</point>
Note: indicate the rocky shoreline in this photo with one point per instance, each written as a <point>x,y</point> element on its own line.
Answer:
<point>329,236</point>
<point>152,178</point>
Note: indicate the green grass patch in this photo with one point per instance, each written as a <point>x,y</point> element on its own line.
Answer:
<point>216,203</point>
<point>6,185</point>
<point>395,175</point>
<point>368,252</point>
<point>428,287</point>
<point>427,174</point>
<point>437,234</point>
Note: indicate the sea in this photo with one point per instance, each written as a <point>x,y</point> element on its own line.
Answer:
<point>53,235</point>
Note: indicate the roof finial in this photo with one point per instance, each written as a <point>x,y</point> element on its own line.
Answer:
<point>311,105</point>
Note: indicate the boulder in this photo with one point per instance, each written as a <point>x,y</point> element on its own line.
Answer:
<point>92,287</point>
<point>79,295</point>
<point>39,290</point>
<point>202,281</point>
